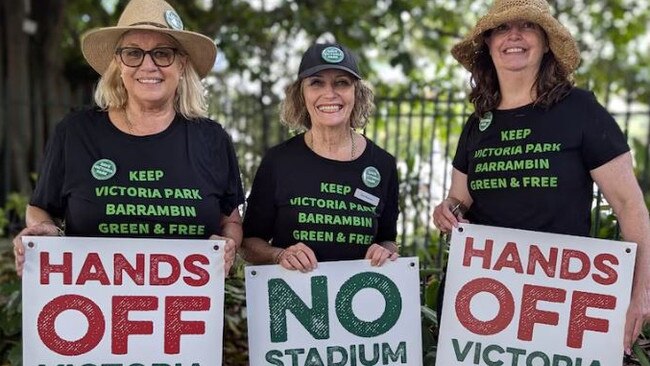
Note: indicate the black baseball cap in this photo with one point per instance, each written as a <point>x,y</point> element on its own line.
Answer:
<point>323,56</point>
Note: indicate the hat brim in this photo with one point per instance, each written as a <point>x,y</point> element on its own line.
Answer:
<point>561,43</point>
<point>98,46</point>
<point>312,70</point>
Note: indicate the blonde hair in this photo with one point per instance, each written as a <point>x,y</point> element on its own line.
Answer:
<point>189,100</point>
<point>293,111</point>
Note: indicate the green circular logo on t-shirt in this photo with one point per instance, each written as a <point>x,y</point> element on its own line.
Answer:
<point>103,169</point>
<point>332,55</point>
<point>371,177</point>
<point>485,121</point>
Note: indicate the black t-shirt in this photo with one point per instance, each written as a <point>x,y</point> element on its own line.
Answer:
<point>173,184</point>
<point>528,168</point>
<point>336,208</point>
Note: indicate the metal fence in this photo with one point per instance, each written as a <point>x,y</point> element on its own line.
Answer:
<point>420,132</point>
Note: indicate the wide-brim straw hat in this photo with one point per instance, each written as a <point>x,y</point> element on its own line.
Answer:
<point>562,44</point>
<point>98,45</point>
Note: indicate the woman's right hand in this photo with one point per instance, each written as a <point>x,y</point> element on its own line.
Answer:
<point>298,257</point>
<point>448,214</point>
<point>42,229</point>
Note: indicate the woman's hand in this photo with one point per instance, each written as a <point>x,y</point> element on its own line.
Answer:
<point>448,214</point>
<point>297,257</point>
<point>229,252</point>
<point>638,313</point>
<point>378,255</point>
<point>45,228</point>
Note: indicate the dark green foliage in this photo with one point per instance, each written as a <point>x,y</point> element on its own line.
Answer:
<point>10,307</point>
<point>235,338</point>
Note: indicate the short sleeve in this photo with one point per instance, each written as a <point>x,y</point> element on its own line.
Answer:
<point>234,193</point>
<point>387,230</point>
<point>603,139</point>
<point>259,219</point>
<point>48,194</point>
<point>460,161</point>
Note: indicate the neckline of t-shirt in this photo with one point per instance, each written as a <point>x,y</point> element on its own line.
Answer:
<point>301,137</point>
<point>526,107</point>
<point>157,135</point>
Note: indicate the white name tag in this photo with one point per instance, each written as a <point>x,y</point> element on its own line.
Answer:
<point>366,197</point>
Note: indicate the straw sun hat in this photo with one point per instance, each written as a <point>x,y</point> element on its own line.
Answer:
<point>561,42</point>
<point>98,45</point>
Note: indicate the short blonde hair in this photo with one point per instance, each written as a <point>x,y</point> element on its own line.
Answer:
<point>294,114</point>
<point>190,99</point>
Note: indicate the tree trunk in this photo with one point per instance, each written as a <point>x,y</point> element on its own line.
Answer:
<point>53,87</point>
<point>18,97</point>
<point>4,161</point>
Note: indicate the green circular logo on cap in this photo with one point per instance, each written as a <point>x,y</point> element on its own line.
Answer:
<point>103,169</point>
<point>485,121</point>
<point>173,20</point>
<point>333,55</point>
<point>371,177</point>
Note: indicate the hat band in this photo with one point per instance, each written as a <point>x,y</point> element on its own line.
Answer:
<point>157,25</point>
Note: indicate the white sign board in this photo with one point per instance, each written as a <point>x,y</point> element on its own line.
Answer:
<point>516,297</point>
<point>342,313</point>
<point>94,301</point>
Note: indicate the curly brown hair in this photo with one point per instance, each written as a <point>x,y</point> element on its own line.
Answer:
<point>293,111</point>
<point>552,83</point>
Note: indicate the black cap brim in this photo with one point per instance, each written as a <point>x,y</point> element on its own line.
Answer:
<point>312,70</point>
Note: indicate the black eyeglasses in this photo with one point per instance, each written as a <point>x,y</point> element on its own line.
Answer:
<point>134,56</point>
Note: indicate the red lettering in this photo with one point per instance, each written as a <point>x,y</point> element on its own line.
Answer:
<point>154,269</point>
<point>47,331</point>
<point>509,257</point>
<point>579,322</point>
<point>123,327</point>
<point>93,270</point>
<point>599,264</point>
<point>121,264</point>
<point>582,272</point>
<point>470,252</point>
<point>535,256</point>
<point>47,268</point>
<point>203,275</point>
<point>502,294</point>
<point>530,315</point>
<point>175,327</point>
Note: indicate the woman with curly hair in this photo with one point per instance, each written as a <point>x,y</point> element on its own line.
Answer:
<point>530,154</point>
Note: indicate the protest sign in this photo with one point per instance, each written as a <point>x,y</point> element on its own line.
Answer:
<point>342,313</point>
<point>119,302</point>
<point>516,297</point>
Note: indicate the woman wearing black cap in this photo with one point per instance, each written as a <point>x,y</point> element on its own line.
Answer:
<point>343,203</point>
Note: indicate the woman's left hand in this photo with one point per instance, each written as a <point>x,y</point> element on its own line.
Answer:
<point>638,313</point>
<point>378,255</point>
<point>229,252</point>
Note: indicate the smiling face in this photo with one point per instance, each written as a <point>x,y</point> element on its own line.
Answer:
<point>148,85</point>
<point>329,97</point>
<point>517,46</point>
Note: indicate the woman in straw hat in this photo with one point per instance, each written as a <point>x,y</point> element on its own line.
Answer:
<point>529,155</point>
<point>343,205</point>
<point>147,162</point>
